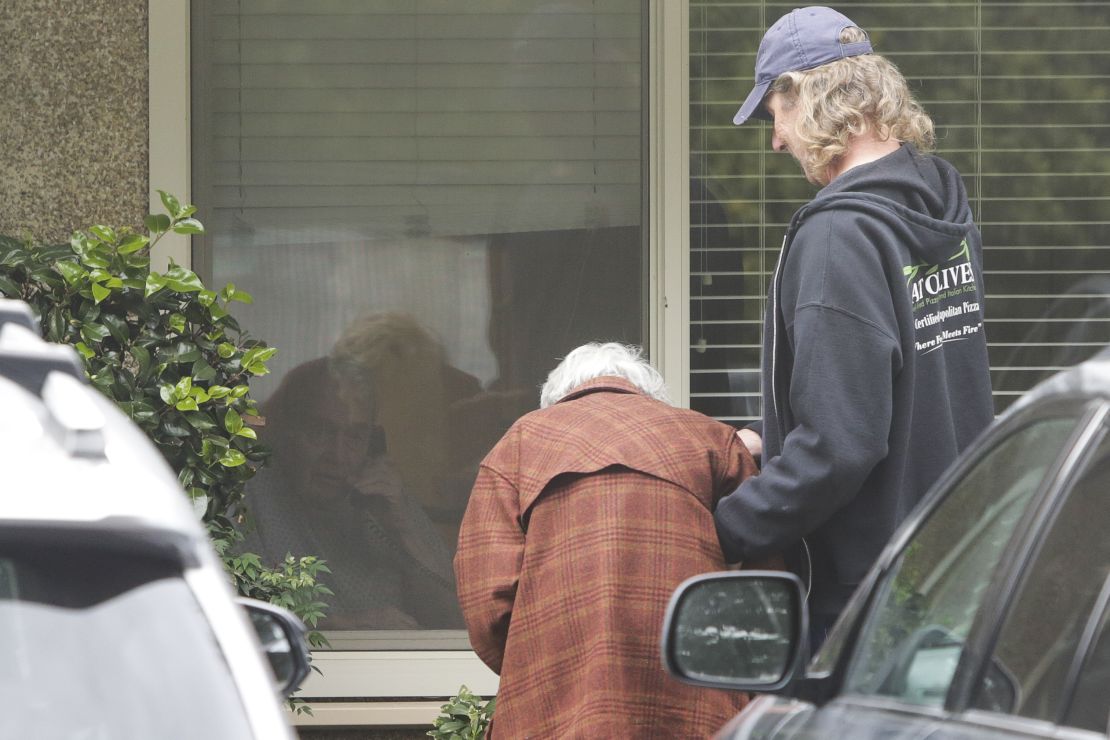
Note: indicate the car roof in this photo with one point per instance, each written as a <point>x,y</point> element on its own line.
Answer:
<point>1088,378</point>
<point>70,457</point>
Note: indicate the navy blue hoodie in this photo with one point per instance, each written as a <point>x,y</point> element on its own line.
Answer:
<point>875,371</point>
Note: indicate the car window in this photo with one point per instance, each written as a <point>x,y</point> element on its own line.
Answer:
<point>107,644</point>
<point>913,638</point>
<point>1090,702</point>
<point>1039,637</point>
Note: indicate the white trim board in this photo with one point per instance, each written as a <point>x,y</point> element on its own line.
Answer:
<point>169,115</point>
<point>397,674</point>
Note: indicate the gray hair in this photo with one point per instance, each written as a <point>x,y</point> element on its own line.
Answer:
<point>595,360</point>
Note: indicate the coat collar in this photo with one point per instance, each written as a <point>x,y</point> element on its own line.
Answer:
<point>604,384</point>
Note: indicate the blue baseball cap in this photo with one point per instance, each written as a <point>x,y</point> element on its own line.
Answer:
<point>802,39</point>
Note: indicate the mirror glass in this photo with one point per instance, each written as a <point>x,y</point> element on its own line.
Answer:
<point>275,645</point>
<point>739,630</point>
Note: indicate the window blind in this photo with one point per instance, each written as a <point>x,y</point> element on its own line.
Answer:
<point>420,117</point>
<point>1020,94</point>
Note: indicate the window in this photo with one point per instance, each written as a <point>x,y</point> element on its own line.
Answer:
<point>1019,93</point>
<point>430,203</point>
<point>1065,580</point>
<point>1088,708</point>
<point>911,643</point>
<point>75,617</point>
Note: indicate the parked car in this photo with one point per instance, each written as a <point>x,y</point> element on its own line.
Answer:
<point>116,618</point>
<point>987,615</point>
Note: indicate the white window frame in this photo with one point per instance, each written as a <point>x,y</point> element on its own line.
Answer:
<point>393,674</point>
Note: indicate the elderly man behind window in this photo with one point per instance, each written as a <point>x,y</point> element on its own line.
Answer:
<point>584,518</point>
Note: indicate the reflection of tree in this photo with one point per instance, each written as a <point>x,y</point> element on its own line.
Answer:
<point>737,629</point>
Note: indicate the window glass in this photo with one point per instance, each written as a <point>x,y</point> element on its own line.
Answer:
<point>431,203</point>
<point>912,640</point>
<point>1021,109</point>
<point>1090,704</point>
<point>99,644</point>
<point>1037,644</point>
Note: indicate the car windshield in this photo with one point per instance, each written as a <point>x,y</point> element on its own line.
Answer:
<point>99,644</point>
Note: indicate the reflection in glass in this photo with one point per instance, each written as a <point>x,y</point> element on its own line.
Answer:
<point>430,205</point>
<point>334,491</point>
<point>108,642</point>
<point>736,629</point>
<point>912,641</point>
<point>1045,626</point>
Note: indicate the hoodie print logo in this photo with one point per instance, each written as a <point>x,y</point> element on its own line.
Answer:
<point>938,294</point>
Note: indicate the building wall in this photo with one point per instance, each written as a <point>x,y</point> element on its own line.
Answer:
<point>73,131</point>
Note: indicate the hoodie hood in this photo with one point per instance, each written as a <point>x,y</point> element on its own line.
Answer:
<point>921,196</point>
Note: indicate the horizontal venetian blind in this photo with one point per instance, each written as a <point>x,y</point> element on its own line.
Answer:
<point>420,117</point>
<point>1020,93</point>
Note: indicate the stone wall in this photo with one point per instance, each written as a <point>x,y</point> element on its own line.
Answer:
<point>73,124</point>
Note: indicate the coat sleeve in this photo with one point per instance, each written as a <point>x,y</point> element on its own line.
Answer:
<point>488,562</point>
<point>841,401</point>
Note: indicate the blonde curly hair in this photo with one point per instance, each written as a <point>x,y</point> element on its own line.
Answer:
<point>849,98</point>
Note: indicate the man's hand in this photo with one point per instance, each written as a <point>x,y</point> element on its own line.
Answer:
<point>752,441</point>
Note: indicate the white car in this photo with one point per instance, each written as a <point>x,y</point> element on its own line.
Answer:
<point>116,617</point>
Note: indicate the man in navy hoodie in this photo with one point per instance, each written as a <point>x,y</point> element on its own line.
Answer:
<point>875,372</point>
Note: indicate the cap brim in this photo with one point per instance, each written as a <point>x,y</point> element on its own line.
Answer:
<point>753,105</point>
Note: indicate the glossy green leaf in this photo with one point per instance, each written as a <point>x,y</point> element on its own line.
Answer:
<point>103,233</point>
<point>187,404</point>
<point>182,280</point>
<point>188,226</point>
<point>100,292</point>
<point>154,283</point>
<point>133,243</point>
<point>117,327</point>
<point>171,203</point>
<point>204,372</point>
<point>8,287</point>
<point>94,333</point>
<point>232,421</point>
<point>142,360</point>
<point>157,223</point>
<point>232,458</point>
<point>71,272</point>
<point>201,421</point>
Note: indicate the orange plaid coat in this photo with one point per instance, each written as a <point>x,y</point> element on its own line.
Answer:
<point>583,520</point>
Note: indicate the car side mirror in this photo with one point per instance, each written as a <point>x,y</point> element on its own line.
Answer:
<point>743,630</point>
<point>283,638</point>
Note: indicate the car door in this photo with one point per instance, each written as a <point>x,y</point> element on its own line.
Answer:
<point>1049,667</point>
<point>897,659</point>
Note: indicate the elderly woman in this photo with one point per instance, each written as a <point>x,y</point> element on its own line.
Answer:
<point>584,518</point>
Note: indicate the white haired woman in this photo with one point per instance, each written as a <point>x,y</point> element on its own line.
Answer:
<point>584,518</point>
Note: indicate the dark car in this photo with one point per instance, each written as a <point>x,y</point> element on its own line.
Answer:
<point>987,615</point>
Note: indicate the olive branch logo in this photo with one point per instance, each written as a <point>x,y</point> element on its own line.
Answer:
<point>910,271</point>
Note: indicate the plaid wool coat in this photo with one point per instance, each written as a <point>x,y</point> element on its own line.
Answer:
<point>583,520</point>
